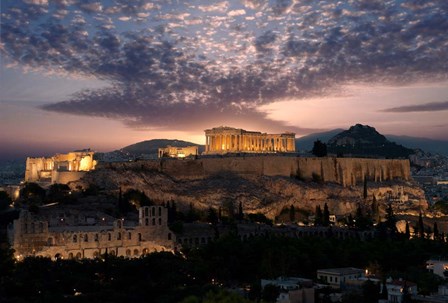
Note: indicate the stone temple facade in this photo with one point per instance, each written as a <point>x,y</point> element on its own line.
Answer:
<point>221,140</point>
<point>61,168</point>
<point>39,236</point>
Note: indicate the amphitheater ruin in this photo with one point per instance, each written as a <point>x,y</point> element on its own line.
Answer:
<point>60,236</point>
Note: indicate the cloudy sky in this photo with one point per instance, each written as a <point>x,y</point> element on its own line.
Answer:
<point>105,74</point>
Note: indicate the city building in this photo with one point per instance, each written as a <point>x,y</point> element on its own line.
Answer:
<point>337,277</point>
<point>90,236</point>
<point>396,289</point>
<point>221,140</point>
<point>61,168</point>
<point>292,289</point>
<point>438,267</point>
<point>178,152</point>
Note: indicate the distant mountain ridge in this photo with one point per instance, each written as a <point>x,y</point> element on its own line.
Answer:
<point>429,145</point>
<point>152,146</point>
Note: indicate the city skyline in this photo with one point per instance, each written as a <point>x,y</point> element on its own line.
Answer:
<point>106,74</point>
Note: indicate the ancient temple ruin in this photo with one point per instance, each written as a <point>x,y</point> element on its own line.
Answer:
<point>61,168</point>
<point>221,140</point>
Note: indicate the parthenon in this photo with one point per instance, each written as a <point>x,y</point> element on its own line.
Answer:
<point>224,139</point>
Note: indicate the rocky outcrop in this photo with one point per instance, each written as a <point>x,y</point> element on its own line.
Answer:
<point>343,171</point>
<point>261,184</point>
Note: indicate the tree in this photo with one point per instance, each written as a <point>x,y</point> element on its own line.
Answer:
<point>270,293</point>
<point>292,213</point>
<point>136,198</point>
<point>192,215</point>
<point>123,205</point>
<point>375,210</point>
<point>172,211</point>
<point>421,227</point>
<point>436,231</point>
<point>361,221</point>
<point>318,217</point>
<point>350,221</point>
<point>212,216</point>
<point>223,296</point>
<point>365,188</point>
<point>5,200</point>
<point>319,149</point>
<point>391,220</point>
<point>370,292</point>
<point>58,193</point>
<point>326,216</point>
<point>407,231</point>
<point>32,191</point>
<point>240,211</point>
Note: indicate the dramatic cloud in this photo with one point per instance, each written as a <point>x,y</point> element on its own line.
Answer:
<point>427,107</point>
<point>171,64</point>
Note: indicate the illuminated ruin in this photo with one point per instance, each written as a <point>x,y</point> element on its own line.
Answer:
<point>221,140</point>
<point>61,168</point>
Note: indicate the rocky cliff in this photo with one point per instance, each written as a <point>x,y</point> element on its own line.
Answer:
<point>261,184</point>
<point>343,171</point>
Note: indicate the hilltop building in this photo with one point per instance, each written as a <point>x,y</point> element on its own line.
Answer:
<point>61,168</point>
<point>178,152</point>
<point>222,140</point>
<point>88,236</point>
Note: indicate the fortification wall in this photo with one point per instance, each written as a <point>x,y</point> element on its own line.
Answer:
<point>344,171</point>
<point>64,177</point>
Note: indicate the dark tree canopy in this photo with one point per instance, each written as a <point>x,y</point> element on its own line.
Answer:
<point>319,149</point>
<point>5,200</point>
<point>326,216</point>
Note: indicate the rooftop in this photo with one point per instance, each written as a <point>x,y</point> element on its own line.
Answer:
<point>341,271</point>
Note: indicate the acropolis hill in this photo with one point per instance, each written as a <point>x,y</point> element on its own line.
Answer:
<point>260,170</point>
<point>262,183</point>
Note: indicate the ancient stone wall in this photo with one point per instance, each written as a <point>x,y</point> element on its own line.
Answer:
<point>344,171</point>
<point>33,236</point>
<point>64,177</point>
<point>53,169</point>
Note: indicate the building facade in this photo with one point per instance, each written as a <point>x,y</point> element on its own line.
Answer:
<point>337,277</point>
<point>61,168</point>
<point>178,152</point>
<point>34,236</point>
<point>396,289</point>
<point>438,267</point>
<point>221,140</point>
